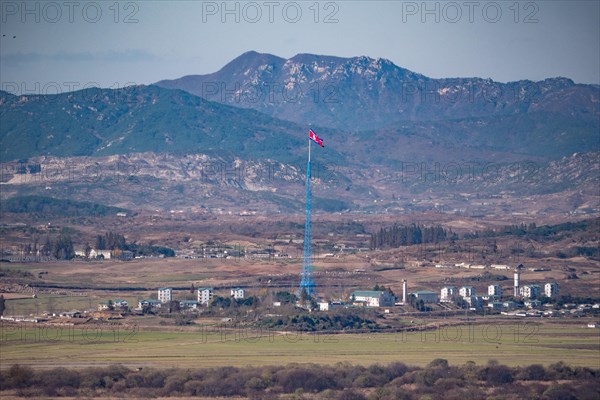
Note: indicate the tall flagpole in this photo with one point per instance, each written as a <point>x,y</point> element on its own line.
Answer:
<point>306,283</point>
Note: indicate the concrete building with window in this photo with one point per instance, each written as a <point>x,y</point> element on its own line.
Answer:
<point>427,296</point>
<point>466,291</point>
<point>237,293</point>
<point>165,295</point>
<point>204,295</point>
<point>495,291</point>
<point>447,294</point>
<point>150,303</point>
<point>188,304</point>
<point>374,298</point>
<point>530,291</point>
<point>101,254</point>
<point>474,301</point>
<point>551,289</point>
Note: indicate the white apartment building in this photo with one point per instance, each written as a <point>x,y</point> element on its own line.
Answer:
<point>165,295</point>
<point>204,295</point>
<point>447,294</point>
<point>466,291</point>
<point>495,290</point>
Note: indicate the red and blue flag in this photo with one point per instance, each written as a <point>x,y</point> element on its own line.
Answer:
<point>313,136</point>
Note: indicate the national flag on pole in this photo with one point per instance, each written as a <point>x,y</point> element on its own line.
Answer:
<point>313,136</point>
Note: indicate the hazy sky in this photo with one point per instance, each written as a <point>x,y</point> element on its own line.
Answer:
<point>57,46</point>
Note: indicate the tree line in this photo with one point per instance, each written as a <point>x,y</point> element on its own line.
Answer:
<point>406,235</point>
<point>532,231</point>
<point>342,381</point>
<point>60,247</point>
<point>57,207</point>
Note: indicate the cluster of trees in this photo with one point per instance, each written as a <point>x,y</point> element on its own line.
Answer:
<point>111,241</point>
<point>115,241</point>
<point>285,297</point>
<point>382,288</point>
<point>60,247</point>
<point>406,235</point>
<point>22,168</point>
<point>337,320</point>
<point>395,381</point>
<point>532,231</point>
<point>57,207</point>
<point>227,302</point>
<point>420,305</point>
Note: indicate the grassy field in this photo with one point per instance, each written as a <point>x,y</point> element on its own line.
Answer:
<point>56,303</point>
<point>511,344</point>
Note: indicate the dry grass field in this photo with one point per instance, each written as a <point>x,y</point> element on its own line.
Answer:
<point>516,343</point>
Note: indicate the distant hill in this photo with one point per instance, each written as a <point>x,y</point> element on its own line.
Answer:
<point>361,93</point>
<point>98,122</point>
<point>49,206</point>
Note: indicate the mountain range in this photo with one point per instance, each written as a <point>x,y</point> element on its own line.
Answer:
<point>395,113</point>
<point>363,93</point>
<point>376,119</point>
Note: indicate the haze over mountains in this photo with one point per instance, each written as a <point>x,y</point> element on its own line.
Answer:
<point>376,118</point>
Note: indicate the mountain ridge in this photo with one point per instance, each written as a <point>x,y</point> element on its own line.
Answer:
<point>460,119</point>
<point>96,122</point>
<point>341,92</point>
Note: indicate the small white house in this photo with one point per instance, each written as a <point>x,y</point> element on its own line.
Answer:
<point>149,303</point>
<point>326,306</point>
<point>101,254</point>
<point>374,298</point>
<point>237,293</point>
<point>532,303</point>
<point>188,304</point>
<point>120,303</point>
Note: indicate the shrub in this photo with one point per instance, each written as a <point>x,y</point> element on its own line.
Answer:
<point>307,379</point>
<point>396,370</point>
<point>560,370</point>
<point>256,383</point>
<point>351,394</point>
<point>19,377</point>
<point>57,379</point>
<point>559,392</point>
<point>589,391</point>
<point>193,388</point>
<point>438,362</point>
<point>174,384</point>
<point>534,372</point>
<point>496,374</point>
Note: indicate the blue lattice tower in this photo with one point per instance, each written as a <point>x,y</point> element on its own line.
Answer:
<point>306,282</point>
